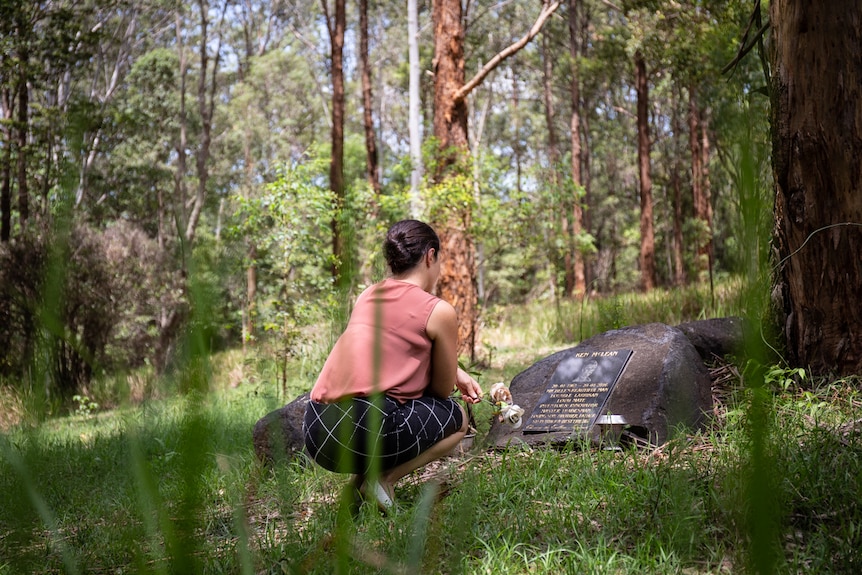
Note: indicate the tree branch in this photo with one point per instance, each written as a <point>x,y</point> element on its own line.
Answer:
<point>547,10</point>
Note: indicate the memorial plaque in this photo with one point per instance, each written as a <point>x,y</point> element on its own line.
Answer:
<point>578,391</point>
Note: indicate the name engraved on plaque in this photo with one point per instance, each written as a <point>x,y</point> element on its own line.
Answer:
<point>578,391</point>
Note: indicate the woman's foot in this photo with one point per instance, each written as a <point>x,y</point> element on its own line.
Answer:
<point>381,492</point>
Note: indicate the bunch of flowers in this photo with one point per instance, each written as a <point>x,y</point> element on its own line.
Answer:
<point>507,411</point>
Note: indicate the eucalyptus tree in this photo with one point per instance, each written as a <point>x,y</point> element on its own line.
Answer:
<point>336,23</point>
<point>817,145</point>
<point>372,164</point>
<point>457,283</point>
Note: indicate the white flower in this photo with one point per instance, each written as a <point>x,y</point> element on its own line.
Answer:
<point>500,393</point>
<point>512,415</point>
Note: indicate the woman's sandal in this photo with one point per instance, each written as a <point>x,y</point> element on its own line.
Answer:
<point>375,490</point>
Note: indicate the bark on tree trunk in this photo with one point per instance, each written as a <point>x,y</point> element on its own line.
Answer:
<point>206,108</point>
<point>586,175</point>
<point>579,287</point>
<point>6,184</point>
<point>699,148</point>
<point>554,160</point>
<point>678,257</point>
<point>450,113</point>
<point>336,163</point>
<point>817,154</point>
<point>707,192</point>
<point>458,274</point>
<point>23,127</point>
<point>179,200</point>
<point>647,253</point>
<point>372,169</point>
<point>250,297</point>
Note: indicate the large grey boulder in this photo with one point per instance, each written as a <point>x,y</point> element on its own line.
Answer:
<point>665,386</point>
<point>717,337</point>
<point>278,434</point>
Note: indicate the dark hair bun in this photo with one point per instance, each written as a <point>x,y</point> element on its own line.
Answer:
<point>406,242</point>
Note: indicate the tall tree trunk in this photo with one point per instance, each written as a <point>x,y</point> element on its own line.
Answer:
<point>816,154</point>
<point>458,271</point>
<point>206,109</point>
<point>700,201</point>
<point>450,113</point>
<point>516,134</point>
<point>250,297</point>
<point>6,168</point>
<point>458,274</point>
<point>707,192</point>
<point>586,174</point>
<point>179,200</point>
<point>554,180</point>
<point>647,253</point>
<point>579,286</point>
<point>336,29</point>
<point>23,129</point>
<point>676,185</point>
<point>415,101</point>
<point>372,169</point>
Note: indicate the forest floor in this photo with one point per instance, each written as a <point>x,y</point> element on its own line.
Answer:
<point>171,485</point>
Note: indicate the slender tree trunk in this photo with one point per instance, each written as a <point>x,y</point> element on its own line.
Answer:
<point>206,109</point>
<point>516,133</point>
<point>586,174</point>
<point>579,286</point>
<point>698,193</point>
<point>6,169</point>
<point>414,106</point>
<point>336,28</point>
<point>706,190</point>
<point>250,297</point>
<point>816,154</point>
<point>647,253</point>
<point>372,168</point>
<point>676,185</point>
<point>554,160</point>
<point>23,128</point>
<point>179,201</point>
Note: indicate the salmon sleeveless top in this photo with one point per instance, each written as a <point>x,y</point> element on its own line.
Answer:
<point>385,347</point>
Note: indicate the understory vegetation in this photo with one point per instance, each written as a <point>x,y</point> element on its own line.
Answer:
<point>162,482</point>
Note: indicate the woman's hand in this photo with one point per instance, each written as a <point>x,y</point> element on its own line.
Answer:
<point>469,387</point>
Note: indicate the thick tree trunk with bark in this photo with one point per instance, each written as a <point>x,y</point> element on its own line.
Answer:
<point>458,274</point>
<point>450,112</point>
<point>816,155</point>
<point>647,253</point>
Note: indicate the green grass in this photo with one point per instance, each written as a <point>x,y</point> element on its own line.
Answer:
<point>170,484</point>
